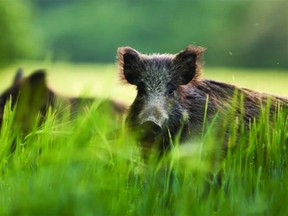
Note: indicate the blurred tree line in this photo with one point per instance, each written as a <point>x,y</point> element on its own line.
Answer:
<point>17,39</point>
<point>237,33</point>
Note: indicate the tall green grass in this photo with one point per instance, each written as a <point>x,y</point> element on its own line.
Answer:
<point>90,166</point>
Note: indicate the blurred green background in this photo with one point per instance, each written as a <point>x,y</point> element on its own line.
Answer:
<point>237,33</point>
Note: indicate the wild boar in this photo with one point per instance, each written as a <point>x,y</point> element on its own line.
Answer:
<point>173,99</point>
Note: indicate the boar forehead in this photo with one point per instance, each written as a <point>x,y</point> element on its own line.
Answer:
<point>158,72</point>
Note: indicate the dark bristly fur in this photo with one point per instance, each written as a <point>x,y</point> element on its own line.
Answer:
<point>171,96</point>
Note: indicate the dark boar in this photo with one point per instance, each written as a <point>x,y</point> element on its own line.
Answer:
<point>171,96</point>
<point>33,96</point>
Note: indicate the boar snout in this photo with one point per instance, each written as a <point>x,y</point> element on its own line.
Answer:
<point>154,113</point>
<point>150,128</point>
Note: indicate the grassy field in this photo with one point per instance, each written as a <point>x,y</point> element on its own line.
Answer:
<point>90,166</point>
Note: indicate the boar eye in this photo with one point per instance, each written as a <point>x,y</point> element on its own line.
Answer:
<point>171,90</point>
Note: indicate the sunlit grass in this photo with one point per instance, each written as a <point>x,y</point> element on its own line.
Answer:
<point>103,79</point>
<point>78,79</point>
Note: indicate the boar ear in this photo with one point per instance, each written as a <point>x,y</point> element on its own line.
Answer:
<point>18,76</point>
<point>38,89</point>
<point>188,64</point>
<point>129,64</point>
<point>37,77</point>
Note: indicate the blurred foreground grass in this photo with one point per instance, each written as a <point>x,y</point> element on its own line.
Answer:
<point>103,80</point>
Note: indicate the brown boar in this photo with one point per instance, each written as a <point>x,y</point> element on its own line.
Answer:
<point>33,96</point>
<point>172,97</point>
